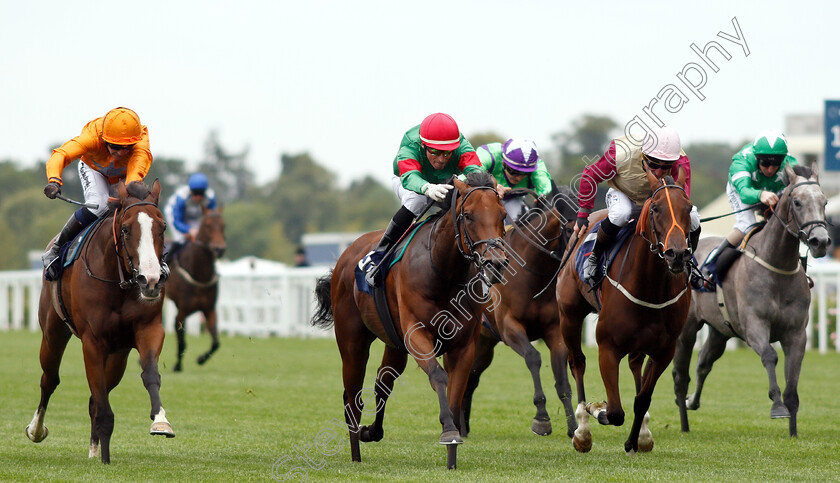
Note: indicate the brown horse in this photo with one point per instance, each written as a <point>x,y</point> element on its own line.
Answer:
<point>644,300</point>
<point>436,295</point>
<point>111,299</point>
<point>527,307</point>
<point>194,284</point>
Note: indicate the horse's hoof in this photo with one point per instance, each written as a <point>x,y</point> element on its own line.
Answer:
<point>645,445</point>
<point>779,411</point>
<point>177,368</point>
<point>451,437</point>
<point>691,403</point>
<point>368,434</point>
<point>162,428</point>
<point>94,451</point>
<point>37,437</point>
<point>582,445</point>
<point>541,428</point>
<point>202,359</point>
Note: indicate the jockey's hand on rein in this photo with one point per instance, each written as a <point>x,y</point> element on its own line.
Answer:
<point>581,224</point>
<point>436,192</point>
<point>52,189</point>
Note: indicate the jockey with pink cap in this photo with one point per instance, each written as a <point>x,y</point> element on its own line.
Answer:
<point>623,166</point>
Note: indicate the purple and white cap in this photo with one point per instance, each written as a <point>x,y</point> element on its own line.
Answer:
<point>520,154</point>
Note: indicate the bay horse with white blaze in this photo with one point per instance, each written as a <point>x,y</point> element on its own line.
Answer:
<point>526,309</point>
<point>194,283</point>
<point>430,293</point>
<point>765,295</point>
<point>111,298</point>
<point>644,300</point>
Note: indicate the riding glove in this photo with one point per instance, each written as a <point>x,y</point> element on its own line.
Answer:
<point>52,189</point>
<point>436,192</point>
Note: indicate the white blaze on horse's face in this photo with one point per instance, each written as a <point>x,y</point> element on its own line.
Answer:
<point>149,263</point>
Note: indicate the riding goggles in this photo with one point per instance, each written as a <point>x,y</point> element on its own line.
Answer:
<point>437,152</point>
<point>654,163</point>
<point>768,160</point>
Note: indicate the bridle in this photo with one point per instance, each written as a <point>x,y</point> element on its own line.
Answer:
<point>657,246</point>
<point>119,241</point>
<point>458,219</point>
<point>801,234</point>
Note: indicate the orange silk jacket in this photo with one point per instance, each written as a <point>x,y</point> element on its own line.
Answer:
<point>90,147</point>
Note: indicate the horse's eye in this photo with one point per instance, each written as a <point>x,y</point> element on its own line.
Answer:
<point>654,208</point>
<point>797,203</point>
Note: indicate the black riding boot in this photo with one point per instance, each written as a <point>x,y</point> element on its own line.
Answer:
<point>592,271</point>
<point>72,228</point>
<point>694,240</point>
<point>721,264</point>
<point>396,228</point>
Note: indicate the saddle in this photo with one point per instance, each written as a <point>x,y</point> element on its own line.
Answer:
<point>718,268</point>
<point>609,254</point>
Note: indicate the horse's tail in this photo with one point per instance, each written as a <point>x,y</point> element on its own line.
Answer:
<point>323,317</point>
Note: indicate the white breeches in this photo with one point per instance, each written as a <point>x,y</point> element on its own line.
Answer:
<point>620,209</point>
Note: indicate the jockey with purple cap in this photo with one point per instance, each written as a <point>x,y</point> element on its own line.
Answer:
<point>515,164</point>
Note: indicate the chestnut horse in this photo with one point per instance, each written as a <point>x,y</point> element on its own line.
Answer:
<point>527,307</point>
<point>194,283</point>
<point>644,300</point>
<point>111,299</point>
<point>436,294</point>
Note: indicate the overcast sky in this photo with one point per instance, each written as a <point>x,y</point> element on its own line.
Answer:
<point>344,80</point>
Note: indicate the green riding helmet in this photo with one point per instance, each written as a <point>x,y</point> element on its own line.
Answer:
<point>770,142</point>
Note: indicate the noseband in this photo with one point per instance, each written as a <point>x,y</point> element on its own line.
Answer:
<point>458,223</point>
<point>801,233</point>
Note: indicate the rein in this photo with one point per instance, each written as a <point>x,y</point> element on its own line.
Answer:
<point>458,223</point>
<point>800,235</point>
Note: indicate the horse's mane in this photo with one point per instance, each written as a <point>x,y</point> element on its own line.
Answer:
<point>481,178</point>
<point>563,200</point>
<point>138,189</point>
<point>803,171</point>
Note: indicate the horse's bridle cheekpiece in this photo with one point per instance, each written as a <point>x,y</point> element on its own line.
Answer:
<point>458,222</point>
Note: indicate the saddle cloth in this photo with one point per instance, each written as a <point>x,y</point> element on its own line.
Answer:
<point>609,254</point>
<point>385,265</point>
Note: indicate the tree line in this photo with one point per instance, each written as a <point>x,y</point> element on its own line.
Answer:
<point>269,220</point>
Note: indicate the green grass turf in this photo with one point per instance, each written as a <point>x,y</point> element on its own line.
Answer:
<point>262,401</point>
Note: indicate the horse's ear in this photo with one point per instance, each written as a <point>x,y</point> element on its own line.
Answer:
<point>156,191</point>
<point>789,174</point>
<point>681,177</point>
<point>654,182</point>
<point>462,187</point>
<point>815,171</point>
<point>121,191</point>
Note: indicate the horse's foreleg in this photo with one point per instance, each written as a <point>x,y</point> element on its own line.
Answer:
<point>759,340</point>
<point>53,342</point>
<point>710,352</point>
<point>210,322</point>
<point>682,362</point>
<point>638,441</point>
<point>559,361</point>
<point>102,417</point>
<point>608,360</point>
<point>421,346</point>
<point>484,351</point>
<point>793,346</point>
<point>114,370</point>
<point>393,365</point>
<point>635,361</point>
<point>182,342</point>
<point>149,340</point>
<point>517,339</point>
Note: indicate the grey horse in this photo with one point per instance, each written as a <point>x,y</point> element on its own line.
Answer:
<point>766,297</point>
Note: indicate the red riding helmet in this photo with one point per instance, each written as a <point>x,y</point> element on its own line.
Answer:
<point>439,131</point>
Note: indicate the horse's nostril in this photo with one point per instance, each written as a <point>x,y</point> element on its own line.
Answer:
<point>141,279</point>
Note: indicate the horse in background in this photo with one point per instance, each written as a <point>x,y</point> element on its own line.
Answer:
<point>765,295</point>
<point>527,307</point>
<point>111,299</point>
<point>644,302</point>
<point>436,295</point>
<point>194,283</point>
